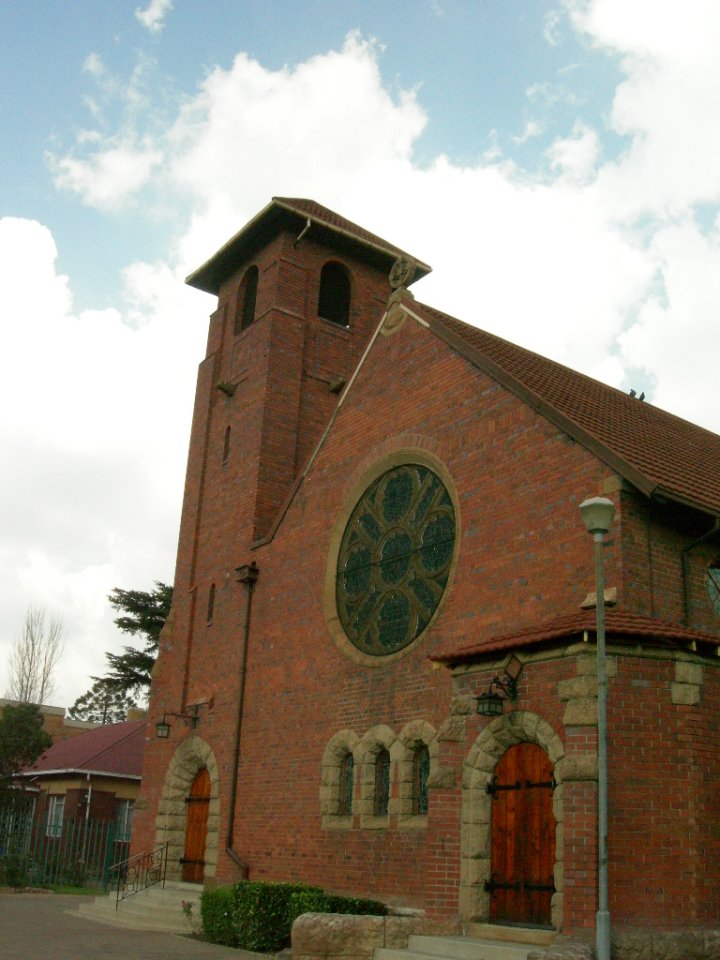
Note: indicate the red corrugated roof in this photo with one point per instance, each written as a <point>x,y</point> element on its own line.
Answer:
<point>115,748</point>
<point>654,450</point>
<point>619,626</point>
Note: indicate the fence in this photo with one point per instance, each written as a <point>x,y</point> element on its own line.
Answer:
<point>43,852</point>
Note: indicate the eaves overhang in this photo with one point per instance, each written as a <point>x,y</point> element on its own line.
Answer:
<point>280,214</point>
<point>77,772</point>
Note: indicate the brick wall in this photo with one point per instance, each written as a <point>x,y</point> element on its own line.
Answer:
<point>524,557</point>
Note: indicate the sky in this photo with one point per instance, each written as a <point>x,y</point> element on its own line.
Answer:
<point>557,162</point>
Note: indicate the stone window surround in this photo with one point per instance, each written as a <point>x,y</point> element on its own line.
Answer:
<point>381,461</point>
<point>364,751</point>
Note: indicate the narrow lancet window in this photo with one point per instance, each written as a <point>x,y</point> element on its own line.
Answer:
<point>421,773</point>
<point>246,301</point>
<point>347,766</point>
<point>334,300</point>
<point>382,782</point>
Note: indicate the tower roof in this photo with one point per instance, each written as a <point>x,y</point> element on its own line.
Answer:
<point>298,214</point>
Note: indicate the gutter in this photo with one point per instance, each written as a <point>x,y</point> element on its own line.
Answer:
<point>247,575</point>
<point>79,772</point>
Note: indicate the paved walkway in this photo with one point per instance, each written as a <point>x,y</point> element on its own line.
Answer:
<point>37,926</point>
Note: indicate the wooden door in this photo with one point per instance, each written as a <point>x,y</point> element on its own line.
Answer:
<point>523,837</point>
<point>198,807</point>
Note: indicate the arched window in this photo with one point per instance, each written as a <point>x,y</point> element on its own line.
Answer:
<point>334,300</point>
<point>420,774</point>
<point>211,603</point>
<point>382,783</point>
<point>345,786</point>
<point>247,297</point>
<point>226,445</point>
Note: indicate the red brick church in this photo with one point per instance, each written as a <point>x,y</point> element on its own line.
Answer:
<point>380,526</point>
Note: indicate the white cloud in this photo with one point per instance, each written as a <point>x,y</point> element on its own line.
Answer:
<point>109,178</point>
<point>153,16</point>
<point>575,157</point>
<point>95,427</point>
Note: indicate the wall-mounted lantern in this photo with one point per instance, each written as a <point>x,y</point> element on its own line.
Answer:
<point>490,704</point>
<point>162,729</point>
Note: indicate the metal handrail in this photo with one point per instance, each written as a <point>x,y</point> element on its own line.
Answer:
<point>140,872</point>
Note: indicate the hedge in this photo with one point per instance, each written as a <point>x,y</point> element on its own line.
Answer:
<point>216,912</point>
<point>257,915</point>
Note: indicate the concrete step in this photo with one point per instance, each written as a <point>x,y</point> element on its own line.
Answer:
<point>457,948</point>
<point>155,908</point>
<point>538,936</point>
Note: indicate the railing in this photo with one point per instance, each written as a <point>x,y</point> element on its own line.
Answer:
<point>43,853</point>
<point>139,872</point>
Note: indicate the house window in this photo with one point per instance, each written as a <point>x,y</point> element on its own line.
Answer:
<point>420,774</point>
<point>382,783</point>
<point>345,793</point>
<point>56,810</point>
<point>246,301</point>
<point>226,446</point>
<point>712,583</point>
<point>123,821</point>
<point>211,603</point>
<point>334,300</point>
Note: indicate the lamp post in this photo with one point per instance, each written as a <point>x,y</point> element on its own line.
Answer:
<point>597,513</point>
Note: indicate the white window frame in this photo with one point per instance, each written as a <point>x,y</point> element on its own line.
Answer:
<point>56,812</point>
<point>123,820</point>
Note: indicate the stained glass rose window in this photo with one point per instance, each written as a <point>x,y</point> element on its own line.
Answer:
<point>394,559</point>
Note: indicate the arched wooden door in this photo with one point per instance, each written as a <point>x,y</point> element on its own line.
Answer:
<point>523,837</point>
<point>198,807</point>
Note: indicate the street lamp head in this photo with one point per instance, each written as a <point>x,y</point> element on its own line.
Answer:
<point>597,513</point>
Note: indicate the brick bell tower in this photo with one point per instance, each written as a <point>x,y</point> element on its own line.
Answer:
<point>300,291</point>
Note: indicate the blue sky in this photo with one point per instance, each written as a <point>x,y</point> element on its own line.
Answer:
<point>556,161</point>
<point>471,65</point>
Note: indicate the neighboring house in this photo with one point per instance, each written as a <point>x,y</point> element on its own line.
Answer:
<point>380,518</point>
<point>55,723</point>
<point>94,776</point>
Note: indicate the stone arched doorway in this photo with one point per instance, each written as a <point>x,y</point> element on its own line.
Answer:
<point>522,837</point>
<point>476,836</point>
<point>191,757</point>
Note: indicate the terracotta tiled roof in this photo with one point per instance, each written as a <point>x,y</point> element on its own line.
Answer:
<point>316,211</point>
<point>619,627</point>
<point>293,211</point>
<point>115,748</point>
<point>657,452</point>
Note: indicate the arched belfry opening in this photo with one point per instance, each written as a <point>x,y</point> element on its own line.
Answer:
<point>246,300</point>
<point>334,298</point>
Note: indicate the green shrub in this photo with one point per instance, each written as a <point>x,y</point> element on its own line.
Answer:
<point>356,905</point>
<point>262,914</point>
<point>13,866</point>
<point>216,912</point>
<point>317,901</point>
<point>258,915</point>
